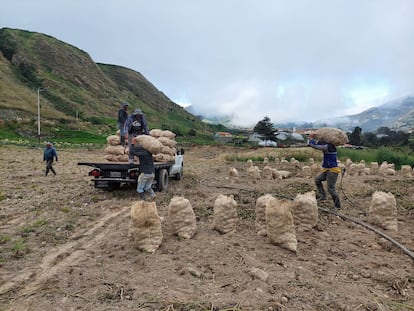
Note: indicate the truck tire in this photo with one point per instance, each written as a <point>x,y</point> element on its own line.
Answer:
<point>162,180</point>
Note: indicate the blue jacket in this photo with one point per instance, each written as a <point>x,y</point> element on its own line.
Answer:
<point>136,127</point>
<point>329,153</point>
<point>49,153</point>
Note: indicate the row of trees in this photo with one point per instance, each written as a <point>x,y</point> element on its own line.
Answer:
<point>383,136</point>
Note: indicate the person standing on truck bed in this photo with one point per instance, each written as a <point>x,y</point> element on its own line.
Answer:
<point>49,153</point>
<point>146,167</point>
<point>122,117</point>
<point>135,125</point>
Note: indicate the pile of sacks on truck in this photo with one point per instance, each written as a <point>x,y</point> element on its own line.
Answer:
<point>161,143</point>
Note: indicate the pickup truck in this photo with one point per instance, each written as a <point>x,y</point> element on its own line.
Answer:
<point>111,175</point>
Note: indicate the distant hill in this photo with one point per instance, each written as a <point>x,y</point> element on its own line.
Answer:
<point>397,114</point>
<point>75,91</point>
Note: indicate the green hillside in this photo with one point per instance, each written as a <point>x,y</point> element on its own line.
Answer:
<point>76,94</point>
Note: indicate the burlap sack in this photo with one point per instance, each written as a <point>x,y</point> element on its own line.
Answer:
<point>383,210</point>
<point>331,135</point>
<point>168,134</point>
<point>111,149</point>
<point>145,226</point>
<point>260,212</point>
<point>280,225</point>
<point>225,214</point>
<point>167,142</point>
<point>113,140</point>
<point>305,211</point>
<point>181,218</point>
<point>155,133</point>
<point>149,143</point>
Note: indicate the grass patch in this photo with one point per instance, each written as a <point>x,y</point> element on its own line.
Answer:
<point>20,248</point>
<point>33,227</point>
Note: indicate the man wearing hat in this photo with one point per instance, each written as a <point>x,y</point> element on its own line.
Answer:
<point>49,154</point>
<point>122,117</point>
<point>135,125</point>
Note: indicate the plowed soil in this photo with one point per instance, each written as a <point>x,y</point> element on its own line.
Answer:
<point>64,245</point>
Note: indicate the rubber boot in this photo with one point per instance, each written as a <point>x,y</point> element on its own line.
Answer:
<point>337,202</point>
<point>123,140</point>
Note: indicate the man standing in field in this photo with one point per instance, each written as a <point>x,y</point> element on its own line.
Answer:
<point>49,154</point>
<point>147,171</point>
<point>122,117</point>
<point>135,125</point>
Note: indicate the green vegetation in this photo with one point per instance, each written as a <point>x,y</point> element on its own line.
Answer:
<point>33,227</point>
<point>398,157</point>
<point>20,248</point>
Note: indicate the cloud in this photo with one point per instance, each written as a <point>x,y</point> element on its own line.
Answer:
<point>289,60</point>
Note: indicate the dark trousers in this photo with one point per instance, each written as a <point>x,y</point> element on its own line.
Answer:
<point>331,179</point>
<point>49,166</point>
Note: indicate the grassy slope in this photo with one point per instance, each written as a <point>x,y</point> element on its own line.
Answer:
<point>78,93</point>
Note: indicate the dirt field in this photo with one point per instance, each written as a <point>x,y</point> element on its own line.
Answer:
<point>64,245</point>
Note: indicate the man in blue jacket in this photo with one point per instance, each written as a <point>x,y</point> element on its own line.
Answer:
<point>135,125</point>
<point>330,170</point>
<point>49,154</point>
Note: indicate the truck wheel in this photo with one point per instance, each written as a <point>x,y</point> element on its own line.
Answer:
<point>162,182</point>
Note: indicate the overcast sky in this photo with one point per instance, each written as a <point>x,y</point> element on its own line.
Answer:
<point>290,60</point>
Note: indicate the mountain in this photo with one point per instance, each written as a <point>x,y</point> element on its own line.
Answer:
<point>397,114</point>
<point>74,91</point>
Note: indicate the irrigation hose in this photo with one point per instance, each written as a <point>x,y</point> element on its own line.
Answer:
<point>382,234</point>
<point>361,223</point>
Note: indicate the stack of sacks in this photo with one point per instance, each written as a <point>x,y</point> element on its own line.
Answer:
<point>280,225</point>
<point>383,210</point>
<point>114,151</point>
<point>305,211</point>
<point>225,214</point>
<point>331,135</point>
<point>167,140</point>
<point>260,212</point>
<point>181,217</point>
<point>145,226</point>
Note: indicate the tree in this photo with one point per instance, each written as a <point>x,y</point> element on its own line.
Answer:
<point>265,129</point>
<point>355,137</point>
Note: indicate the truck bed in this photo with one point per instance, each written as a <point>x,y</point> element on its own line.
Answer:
<point>122,165</point>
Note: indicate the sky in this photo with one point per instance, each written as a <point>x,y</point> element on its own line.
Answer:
<point>289,60</point>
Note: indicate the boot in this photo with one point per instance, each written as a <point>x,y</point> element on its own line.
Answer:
<point>142,195</point>
<point>337,202</point>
